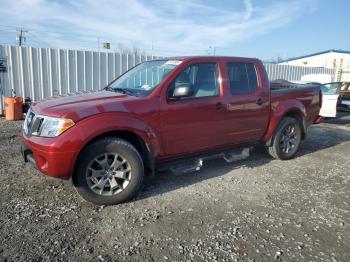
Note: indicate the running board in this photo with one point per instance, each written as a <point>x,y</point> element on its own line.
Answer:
<point>179,167</point>
<point>231,157</point>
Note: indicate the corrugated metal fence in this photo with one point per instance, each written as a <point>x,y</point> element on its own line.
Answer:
<point>288,72</point>
<point>43,72</point>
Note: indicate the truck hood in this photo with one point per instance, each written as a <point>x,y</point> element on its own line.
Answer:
<point>79,106</point>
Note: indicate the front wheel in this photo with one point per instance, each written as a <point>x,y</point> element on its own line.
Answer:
<point>286,140</point>
<point>109,171</point>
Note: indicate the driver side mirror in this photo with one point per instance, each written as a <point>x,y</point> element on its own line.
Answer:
<point>181,91</point>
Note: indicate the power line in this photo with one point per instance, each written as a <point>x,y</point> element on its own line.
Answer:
<point>38,40</point>
<point>65,36</point>
<point>6,30</point>
<point>63,32</point>
<point>9,26</point>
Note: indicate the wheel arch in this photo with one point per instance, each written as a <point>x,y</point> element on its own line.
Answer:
<point>144,149</point>
<point>297,112</point>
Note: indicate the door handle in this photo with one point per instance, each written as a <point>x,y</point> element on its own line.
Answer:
<point>259,102</point>
<point>219,106</point>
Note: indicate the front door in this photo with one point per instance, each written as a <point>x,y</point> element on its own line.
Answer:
<point>193,124</point>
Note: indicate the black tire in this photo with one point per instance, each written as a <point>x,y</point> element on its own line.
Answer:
<point>106,146</point>
<point>277,150</point>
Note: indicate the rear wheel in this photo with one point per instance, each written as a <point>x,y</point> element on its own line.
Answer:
<point>287,139</point>
<point>109,171</point>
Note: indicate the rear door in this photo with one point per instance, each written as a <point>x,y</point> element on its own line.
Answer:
<point>247,102</point>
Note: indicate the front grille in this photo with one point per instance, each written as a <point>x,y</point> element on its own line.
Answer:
<point>32,124</point>
<point>28,122</point>
<point>40,122</point>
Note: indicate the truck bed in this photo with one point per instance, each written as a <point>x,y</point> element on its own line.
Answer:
<point>307,94</point>
<point>284,84</point>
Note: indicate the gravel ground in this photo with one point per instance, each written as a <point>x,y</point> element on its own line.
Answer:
<point>254,210</point>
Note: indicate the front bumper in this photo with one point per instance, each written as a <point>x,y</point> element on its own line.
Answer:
<point>28,156</point>
<point>45,157</point>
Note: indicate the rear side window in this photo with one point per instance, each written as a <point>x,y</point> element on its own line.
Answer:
<point>243,79</point>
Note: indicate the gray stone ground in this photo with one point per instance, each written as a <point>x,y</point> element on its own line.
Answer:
<point>254,210</point>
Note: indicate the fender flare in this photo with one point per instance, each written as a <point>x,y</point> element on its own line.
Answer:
<point>292,108</point>
<point>106,123</point>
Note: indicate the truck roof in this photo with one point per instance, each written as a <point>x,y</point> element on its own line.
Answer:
<point>187,58</point>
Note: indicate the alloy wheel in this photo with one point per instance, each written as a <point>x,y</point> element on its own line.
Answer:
<point>108,174</point>
<point>288,139</point>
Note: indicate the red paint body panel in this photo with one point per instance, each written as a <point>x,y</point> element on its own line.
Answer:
<point>172,129</point>
<point>304,101</point>
<point>56,156</point>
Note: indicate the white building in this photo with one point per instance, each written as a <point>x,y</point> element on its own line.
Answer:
<point>335,59</point>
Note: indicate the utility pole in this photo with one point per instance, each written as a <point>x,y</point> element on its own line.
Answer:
<point>20,38</point>
<point>211,50</point>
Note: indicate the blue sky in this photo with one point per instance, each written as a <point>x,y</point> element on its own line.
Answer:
<point>265,29</point>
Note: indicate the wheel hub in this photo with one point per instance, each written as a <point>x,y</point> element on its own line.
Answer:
<point>288,139</point>
<point>108,174</point>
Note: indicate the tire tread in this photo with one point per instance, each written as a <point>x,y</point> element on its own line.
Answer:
<point>106,141</point>
<point>272,150</point>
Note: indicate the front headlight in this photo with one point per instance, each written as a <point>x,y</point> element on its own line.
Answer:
<point>52,126</point>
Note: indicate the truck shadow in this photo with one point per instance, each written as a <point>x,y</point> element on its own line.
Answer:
<point>343,118</point>
<point>166,181</point>
<point>319,138</point>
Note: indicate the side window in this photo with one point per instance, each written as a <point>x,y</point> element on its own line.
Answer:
<point>243,79</point>
<point>201,77</point>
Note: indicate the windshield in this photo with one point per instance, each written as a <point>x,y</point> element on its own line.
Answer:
<point>330,88</point>
<point>144,78</point>
<point>327,91</point>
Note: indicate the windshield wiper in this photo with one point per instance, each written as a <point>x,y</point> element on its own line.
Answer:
<point>120,90</point>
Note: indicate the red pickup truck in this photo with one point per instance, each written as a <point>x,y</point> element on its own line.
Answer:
<point>170,113</point>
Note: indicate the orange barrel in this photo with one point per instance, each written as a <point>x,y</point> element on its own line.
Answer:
<point>13,108</point>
